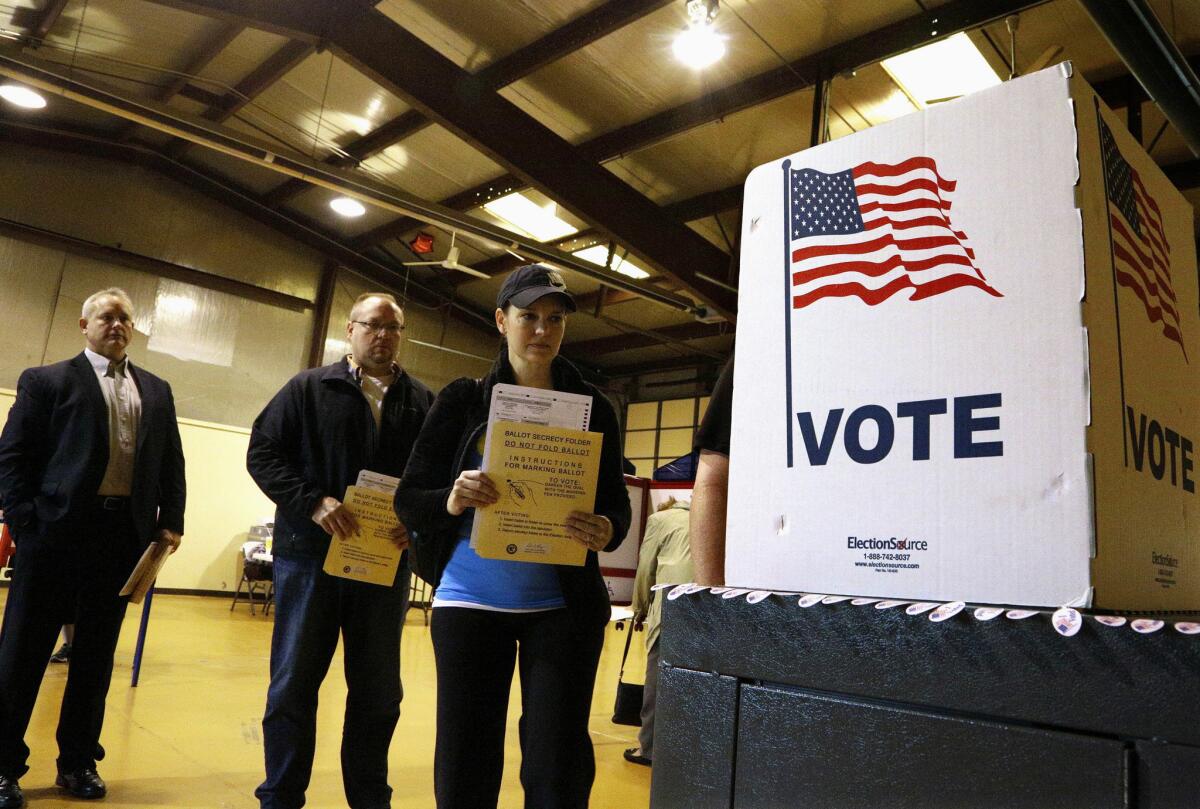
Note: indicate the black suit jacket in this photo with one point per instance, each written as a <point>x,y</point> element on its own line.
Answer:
<point>54,450</point>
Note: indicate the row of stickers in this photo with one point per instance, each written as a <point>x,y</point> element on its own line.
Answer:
<point>1067,621</point>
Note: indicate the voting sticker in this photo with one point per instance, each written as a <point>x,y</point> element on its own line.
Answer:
<point>946,611</point>
<point>1067,621</point>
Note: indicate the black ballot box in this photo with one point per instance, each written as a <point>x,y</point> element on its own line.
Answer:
<point>844,706</point>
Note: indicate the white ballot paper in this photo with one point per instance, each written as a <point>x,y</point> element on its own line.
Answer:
<point>377,481</point>
<point>547,408</point>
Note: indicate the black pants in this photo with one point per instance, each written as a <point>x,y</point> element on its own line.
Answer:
<point>68,574</point>
<point>475,652</point>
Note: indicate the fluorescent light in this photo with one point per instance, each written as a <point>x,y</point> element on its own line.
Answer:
<point>22,96</point>
<point>598,254</point>
<point>347,207</point>
<point>947,69</point>
<point>525,215</point>
<point>698,46</point>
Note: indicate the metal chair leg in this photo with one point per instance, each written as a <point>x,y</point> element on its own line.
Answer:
<point>238,591</point>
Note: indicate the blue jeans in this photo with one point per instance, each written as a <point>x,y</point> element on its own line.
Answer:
<point>311,609</point>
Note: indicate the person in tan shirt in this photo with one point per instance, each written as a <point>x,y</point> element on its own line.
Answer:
<point>665,558</point>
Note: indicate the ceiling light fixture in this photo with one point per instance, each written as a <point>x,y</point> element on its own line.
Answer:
<point>598,255</point>
<point>941,71</point>
<point>526,216</point>
<point>22,96</point>
<point>347,207</point>
<point>699,45</point>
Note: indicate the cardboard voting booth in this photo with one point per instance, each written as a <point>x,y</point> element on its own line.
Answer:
<point>968,344</point>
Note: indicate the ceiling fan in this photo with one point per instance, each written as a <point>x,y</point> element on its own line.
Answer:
<point>450,262</point>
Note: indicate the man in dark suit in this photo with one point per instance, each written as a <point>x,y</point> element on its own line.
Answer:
<point>91,472</point>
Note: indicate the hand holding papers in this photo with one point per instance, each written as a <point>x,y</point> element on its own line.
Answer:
<point>372,553</point>
<point>544,465</point>
<point>146,570</point>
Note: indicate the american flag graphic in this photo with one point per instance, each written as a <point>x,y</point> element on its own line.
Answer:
<point>875,230</point>
<point>1141,253</point>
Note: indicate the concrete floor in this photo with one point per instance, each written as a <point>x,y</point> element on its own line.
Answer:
<point>190,733</point>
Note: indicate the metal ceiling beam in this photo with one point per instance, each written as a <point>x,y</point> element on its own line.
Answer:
<point>562,41</point>
<point>276,17</point>
<point>462,201</point>
<point>707,204</point>
<point>253,84</point>
<point>658,366</point>
<point>624,342</point>
<point>401,62</point>
<point>603,297</point>
<point>1140,40</point>
<point>690,209</point>
<point>215,46</point>
<point>357,150</point>
<point>567,39</point>
<point>959,15</point>
<point>40,22</point>
<point>200,95</point>
<point>1120,91</point>
<point>156,266</point>
<point>504,262</point>
<point>276,66</point>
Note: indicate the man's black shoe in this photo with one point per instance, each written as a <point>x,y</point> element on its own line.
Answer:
<point>83,783</point>
<point>634,756</point>
<point>10,793</point>
<point>62,655</point>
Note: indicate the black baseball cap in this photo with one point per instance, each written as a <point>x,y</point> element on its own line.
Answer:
<point>526,284</point>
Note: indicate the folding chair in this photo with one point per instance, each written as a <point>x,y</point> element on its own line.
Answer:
<point>257,577</point>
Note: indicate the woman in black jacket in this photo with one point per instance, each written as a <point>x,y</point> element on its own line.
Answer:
<point>490,615</point>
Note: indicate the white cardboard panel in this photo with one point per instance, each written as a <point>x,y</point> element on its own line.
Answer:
<point>1013,528</point>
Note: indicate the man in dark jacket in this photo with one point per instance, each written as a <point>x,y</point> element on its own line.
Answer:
<point>306,447</point>
<point>91,471</point>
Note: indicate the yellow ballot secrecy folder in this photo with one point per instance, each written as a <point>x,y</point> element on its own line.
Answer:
<point>369,556</point>
<point>545,464</point>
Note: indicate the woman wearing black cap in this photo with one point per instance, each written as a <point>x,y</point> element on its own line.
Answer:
<point>490,614</point>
